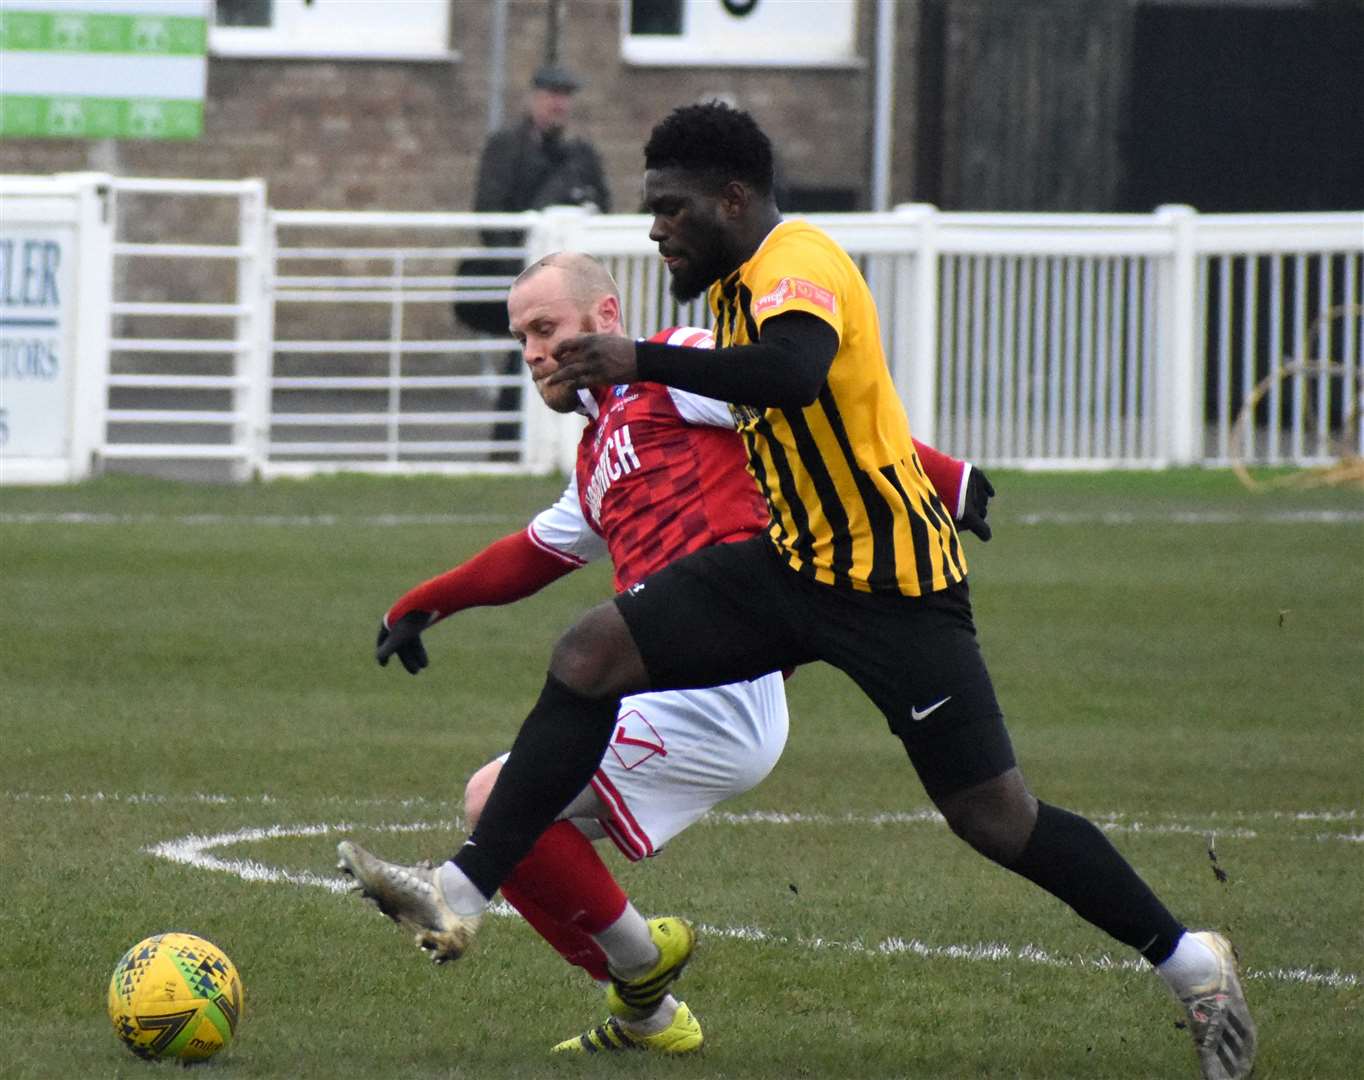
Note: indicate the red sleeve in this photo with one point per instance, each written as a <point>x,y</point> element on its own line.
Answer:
<point>946,473</point>
<point>506,570</point>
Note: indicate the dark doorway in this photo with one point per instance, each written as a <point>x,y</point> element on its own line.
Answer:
<point>1239,108</point>
<point>819,200</point>
<point>931,100</point>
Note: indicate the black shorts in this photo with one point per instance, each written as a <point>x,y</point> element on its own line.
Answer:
<point>736,611</point>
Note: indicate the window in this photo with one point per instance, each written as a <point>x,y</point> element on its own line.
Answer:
<point>244,12</point>
<point>656,17</point>
<point>354,29</point>
<point>740,33</point>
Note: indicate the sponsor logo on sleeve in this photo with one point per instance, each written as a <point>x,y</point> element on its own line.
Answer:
<point>790,288</point>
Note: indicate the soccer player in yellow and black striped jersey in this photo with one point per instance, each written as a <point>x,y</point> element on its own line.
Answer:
<point>850,502</point>
<point>861,568</point>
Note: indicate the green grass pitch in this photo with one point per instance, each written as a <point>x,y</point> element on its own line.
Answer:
<point>187,675</point>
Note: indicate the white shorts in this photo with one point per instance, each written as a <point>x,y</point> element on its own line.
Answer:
<point>675,754</point>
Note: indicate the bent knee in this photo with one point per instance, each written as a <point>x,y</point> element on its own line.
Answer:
<point>996,817</point>
<point>597,656</point>
<point>999,840</point>
<point>476,792</point>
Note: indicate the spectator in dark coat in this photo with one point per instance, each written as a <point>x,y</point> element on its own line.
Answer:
<point>532,164</point>
<point>535,163</point>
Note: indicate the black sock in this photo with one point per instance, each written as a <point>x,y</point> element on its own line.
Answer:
<point>1070,858</point>
<point>554,756</point>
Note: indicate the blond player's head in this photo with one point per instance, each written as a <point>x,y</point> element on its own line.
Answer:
<point>558,297</point>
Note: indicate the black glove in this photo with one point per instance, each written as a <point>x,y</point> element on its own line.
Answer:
<point>405,639</point>
<point>978,493</point>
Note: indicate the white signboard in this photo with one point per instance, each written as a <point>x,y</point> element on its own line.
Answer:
<point>103,69</point>
<point>36,340</point>
<point>56,263</point>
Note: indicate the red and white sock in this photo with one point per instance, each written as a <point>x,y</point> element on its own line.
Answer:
<point>565,891</point>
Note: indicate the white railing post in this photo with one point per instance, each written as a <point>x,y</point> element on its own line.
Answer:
<point>551,438</point>
<point>556,228</point>
<point>254,330</point>
<point>915,322</point>
<point>90,392</point>
<point>1179,370</point>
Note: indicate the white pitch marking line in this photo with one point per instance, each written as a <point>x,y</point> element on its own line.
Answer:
<point>748,817</point>
<point>1165,823</point>
<point>999,951</point>
<point>1191,517</point>
<point>289,521</point>
<point>1106,822</point>
<point>391,521</point>
<point>195,850</point>
<point>147,798</point>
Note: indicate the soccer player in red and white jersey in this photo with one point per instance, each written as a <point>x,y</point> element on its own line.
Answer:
<point>660,473</point>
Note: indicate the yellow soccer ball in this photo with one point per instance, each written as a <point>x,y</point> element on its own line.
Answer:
<point>175,996</point>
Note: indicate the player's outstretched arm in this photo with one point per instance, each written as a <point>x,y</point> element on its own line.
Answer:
<point>404,637</point>
<point>785,369</point>
<point>594,360</point>
<point>505,571</point>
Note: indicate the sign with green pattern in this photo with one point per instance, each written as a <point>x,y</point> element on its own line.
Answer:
<point>103,69</point>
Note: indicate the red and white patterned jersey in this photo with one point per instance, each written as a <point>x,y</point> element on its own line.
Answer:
<point>660,473</point>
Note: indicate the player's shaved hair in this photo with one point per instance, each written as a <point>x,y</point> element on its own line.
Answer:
<point>585,278</point>
<point>715,140</point>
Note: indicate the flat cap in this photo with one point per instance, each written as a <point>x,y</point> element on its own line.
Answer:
<point>555,77</point>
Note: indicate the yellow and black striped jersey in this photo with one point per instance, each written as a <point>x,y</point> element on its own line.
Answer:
<point>851,505</point>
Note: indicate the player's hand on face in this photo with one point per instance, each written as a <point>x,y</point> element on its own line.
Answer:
<point>404,637</point>
<point>594,360</point>
<point>979,491</point>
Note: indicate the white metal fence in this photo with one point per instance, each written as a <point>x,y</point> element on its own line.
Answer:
<point>272,341</point>
<point>369,368</point>
<point>189,323</point>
